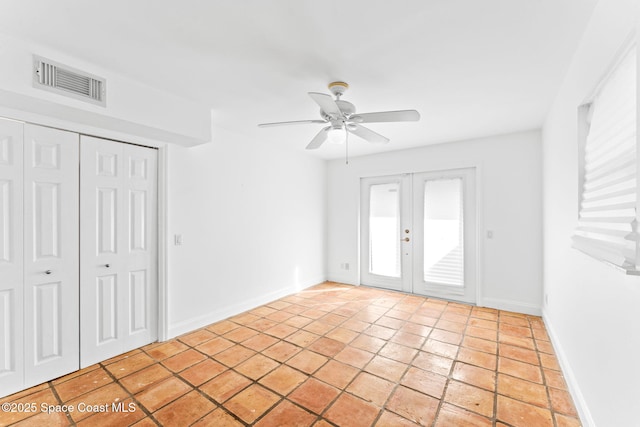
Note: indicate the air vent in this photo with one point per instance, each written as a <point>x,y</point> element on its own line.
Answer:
<point>68,81</point>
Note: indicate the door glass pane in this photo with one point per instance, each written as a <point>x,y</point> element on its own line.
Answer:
<point>443,232</point>
<point>384,229</point>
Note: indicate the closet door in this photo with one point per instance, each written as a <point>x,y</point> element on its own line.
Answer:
<point>118,248</point>
<point>51,312</point>
<point>11,258</point>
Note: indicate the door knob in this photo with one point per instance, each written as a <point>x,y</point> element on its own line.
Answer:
<point>406,231</point>
<point>47,272</point>
<point>107,265</point>
<point>406,239</point>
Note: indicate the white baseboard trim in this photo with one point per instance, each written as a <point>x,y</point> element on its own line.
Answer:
<point>194,323</point>
<point>342,278</point>
<point>508,305</point>
<point>574,389</point>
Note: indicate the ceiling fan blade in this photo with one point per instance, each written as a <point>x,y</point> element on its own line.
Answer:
<point>387,116</point>
<point>367,134</point>
<point>319,139</point>
<point>326,103</point>
<point>295,122</point>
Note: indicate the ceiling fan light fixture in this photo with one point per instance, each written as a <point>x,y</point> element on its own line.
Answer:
<point>336,135</point>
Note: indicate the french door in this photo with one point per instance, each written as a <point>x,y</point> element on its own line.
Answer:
<point>418,233</point>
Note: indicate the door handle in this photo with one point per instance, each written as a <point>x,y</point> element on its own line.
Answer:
<point>47,272</point>
<point>107,265</point>
<point>406,239</point>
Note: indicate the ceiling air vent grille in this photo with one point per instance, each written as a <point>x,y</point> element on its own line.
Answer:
<point>64,80</point>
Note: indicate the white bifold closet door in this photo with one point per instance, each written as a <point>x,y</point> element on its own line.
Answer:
<point>118,228</point>
<point>51,315</point>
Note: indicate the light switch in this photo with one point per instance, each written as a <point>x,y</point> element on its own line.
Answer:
<point>489,234</point>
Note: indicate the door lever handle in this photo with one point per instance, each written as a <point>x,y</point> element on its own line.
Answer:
<point>47,272</point>
<point>107,265</point>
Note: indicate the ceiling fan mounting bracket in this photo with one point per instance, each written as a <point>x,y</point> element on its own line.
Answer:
<point>338,88</point>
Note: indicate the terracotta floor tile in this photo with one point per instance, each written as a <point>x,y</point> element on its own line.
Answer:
<point>336,374</point>
<point>313,313</point>
<point>218,418</point>
<point>450,416</point>
<point>307,361</point>
<point>519,353</point>
<point>158,395</point>
<point>390,322</point>
<point>319,327</point>
<point>368,343</point>
<point>483,323</point>
<point>259,342</point>
<point>280,316</point>
<point>302,338</point>
<point>480,344</point>
<point>477,358</point>
<point>63,379</point>
<point>263,311</point>
<point>127,414</point>
<point>415,329</point>
<point>451,326</point>
<point>283,379</point>
<point>240,334</point>
<point>483,313</point>
<point>314,395</point>
<point>522,390</point>
<point>341,334</point>
<point>469,397</point>
<point>398,314</point>
<point>433,363</point>
<point>128,354</point>
<point>474,375</point>
<point>565,421</point>
<point>380,332</point>
<point>141,379</point>
<point>446,336</point>
<point>326,346</point>
<point>262,324</point>
<point>334,319</point>
<point>371,388</point>
<point>244,319</point>
<point>234,355</point>
<point>167,350</point>
<point>198,337</point>
<point>56,419</point>
<point>516,341</point>
<point>561,402</point>
<point>222,327</point>
<point>549,361</point>
<point>215,346</point>
<point>485,334</point>
<point>386,368</point>
<point>389,419</point>
<point>354,357</point>
<point>286,414</point>
<point>424,382</point>
<point>545,347</point>
<point>351,411</point>
<point>513,319</point>
<point>521,370</point>
<point>516,331</point>
<point>183,360</point>
<point>398,352</point>
<point>554,379</point>
<point>203,372</point>
<point>251,403</point>
<point>44,396</point>
<point>185,410</point>
<point>540,335</point>
<point>355,325</point>
<point>520,414</point>
<point>281,351</point>
<point>130,365</point>
<point>83,384</point>
<point>441,348</point>
<point>103,396</point>
<point>298,321</point>
<point>424,320</point>
<point>279,305</point>
<point>225,385</point>
<point>414,406</point>
<point>257,366</point>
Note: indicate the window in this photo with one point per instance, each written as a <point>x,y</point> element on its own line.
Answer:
<point>608,213</point>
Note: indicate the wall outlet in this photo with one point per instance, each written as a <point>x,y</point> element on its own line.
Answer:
<point>546,299</point>
<point>177,239</point>
<point>344,266</point>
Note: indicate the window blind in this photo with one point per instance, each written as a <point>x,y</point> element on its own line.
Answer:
<point>608,218</point>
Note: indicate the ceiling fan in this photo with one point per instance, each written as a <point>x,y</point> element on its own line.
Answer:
<point>342,119</point>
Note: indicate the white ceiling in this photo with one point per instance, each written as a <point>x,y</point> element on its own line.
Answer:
<point>471,68</point>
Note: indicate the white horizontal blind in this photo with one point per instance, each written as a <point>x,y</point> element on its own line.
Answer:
<point>607,226</point>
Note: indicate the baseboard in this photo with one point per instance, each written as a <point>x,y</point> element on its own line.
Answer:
<point>347,279</point>
<point>508,305</point>
<point>194,323</point>
<point>574,389</point>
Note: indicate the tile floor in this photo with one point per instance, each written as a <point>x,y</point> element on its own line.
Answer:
<point>330,355</point>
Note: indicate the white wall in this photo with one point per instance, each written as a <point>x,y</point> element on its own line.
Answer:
<point>509,204</point>
<point>592,310</point>
<point>253,222</point>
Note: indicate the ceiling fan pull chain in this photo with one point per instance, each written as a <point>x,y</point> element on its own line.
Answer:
<point>346,145</point>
